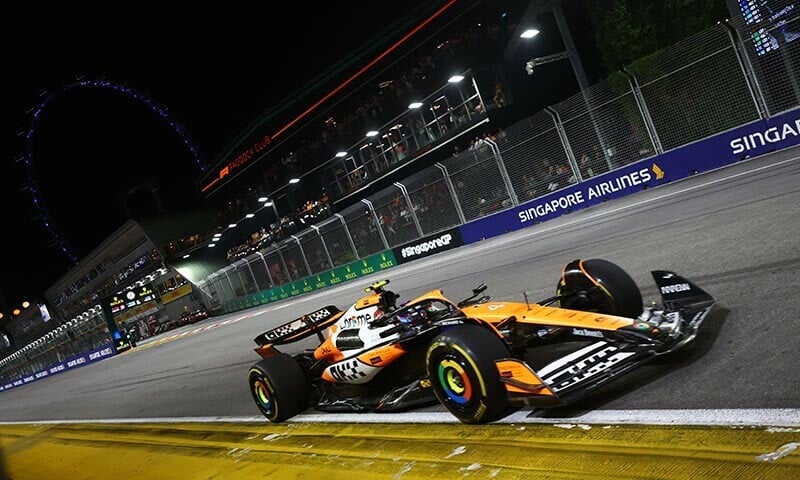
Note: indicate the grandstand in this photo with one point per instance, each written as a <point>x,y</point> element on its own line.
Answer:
<point>433,94</point>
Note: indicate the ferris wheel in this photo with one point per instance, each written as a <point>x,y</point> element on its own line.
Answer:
<point>31,186</point>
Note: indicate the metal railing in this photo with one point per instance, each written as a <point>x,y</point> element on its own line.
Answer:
<point>79,335</point>
<point>704,85</point>
<point>695,89</point>
<point>448,110</point>
<point>768,41</point>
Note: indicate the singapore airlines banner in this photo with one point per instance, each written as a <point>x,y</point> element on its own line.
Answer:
<point>81,360</point>
<point>723,149</point>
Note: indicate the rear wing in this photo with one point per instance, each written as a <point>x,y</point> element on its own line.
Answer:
<point>678,292</point>
<point>300,328</point>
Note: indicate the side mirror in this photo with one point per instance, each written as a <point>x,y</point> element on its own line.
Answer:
<point>475,297</point>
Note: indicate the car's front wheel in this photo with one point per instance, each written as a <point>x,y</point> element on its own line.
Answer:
<point>461,366</point>
<point>598,285</point>
<point>279,387</point>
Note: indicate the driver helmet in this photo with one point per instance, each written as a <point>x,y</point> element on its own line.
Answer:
<point>412,315</point>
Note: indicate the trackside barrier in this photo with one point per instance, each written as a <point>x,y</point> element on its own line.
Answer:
<point>421,248</point>
<point>755,138</point>
<point>427,246</point>
<point>373,263</point>
<point>702,101</point>
<point>100,353</point>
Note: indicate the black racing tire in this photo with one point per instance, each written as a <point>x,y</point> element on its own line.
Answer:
<point>618,293</point>
<point>461,366</point>
<point>279,387</point>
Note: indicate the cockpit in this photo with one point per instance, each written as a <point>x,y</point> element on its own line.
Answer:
<point>421,313</point>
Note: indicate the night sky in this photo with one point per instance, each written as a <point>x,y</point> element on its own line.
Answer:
<point>214,67</point>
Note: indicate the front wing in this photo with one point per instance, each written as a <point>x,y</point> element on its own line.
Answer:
<point>570,377</point>
<point>574,375</point>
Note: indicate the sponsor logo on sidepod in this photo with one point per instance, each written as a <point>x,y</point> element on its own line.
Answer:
<point>356,320</point>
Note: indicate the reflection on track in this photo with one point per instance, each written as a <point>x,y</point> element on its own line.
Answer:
<point>161,340</point>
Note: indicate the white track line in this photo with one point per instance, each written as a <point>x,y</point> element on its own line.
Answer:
<point>758,417</point>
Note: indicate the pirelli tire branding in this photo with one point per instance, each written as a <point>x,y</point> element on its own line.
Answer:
<point>429,245</point>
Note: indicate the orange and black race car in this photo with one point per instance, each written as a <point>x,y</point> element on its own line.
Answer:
<point>479,358</point>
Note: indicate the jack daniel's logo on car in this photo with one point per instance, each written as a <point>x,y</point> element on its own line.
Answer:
<point>428,246</point>
<point>587,333</point>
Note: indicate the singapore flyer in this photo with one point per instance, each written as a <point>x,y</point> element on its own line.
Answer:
<point>43,216</point>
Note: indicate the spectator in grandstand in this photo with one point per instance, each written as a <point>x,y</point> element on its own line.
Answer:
<point>499,95</point>
<point>424,133</point>
<point>528,186</point>
<point>424,70</point>
<point>294,272</point>
<point>598,161</point>
<point>388,221</point>
<point>478,144</point>
<point>585,166</point>
<point>276,272</point>
<point>310,212</point>
<point>399,147</point>
<point>460,117</point>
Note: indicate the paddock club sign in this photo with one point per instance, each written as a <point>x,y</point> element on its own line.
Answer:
<point>240,161</point>
<point>429,245</point>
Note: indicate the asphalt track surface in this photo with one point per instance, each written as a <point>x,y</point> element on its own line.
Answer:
<point>735,232</point>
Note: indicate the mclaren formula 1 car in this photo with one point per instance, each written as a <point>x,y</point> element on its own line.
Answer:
<point>479,358</point>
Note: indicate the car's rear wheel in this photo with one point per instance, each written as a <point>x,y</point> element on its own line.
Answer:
<point>461,366</point>
<point>598,285</point>
<point>279,387</point>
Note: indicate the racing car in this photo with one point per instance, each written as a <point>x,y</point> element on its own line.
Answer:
<point>478,358</point>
